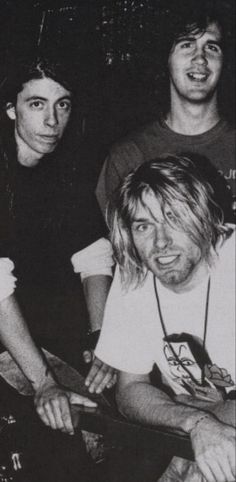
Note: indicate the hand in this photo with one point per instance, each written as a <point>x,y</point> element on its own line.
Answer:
<point>214,448</point>
<point>53,406</point>
<point>100,375</point>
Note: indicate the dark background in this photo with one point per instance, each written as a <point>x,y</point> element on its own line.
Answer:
<point>115,41</point>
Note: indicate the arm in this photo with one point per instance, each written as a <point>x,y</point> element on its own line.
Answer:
<point>52,401</point>
<point>96,289</point>
<point>94,263</point>
<point>213,441</point>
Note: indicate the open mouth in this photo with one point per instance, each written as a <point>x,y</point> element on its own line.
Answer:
<point>197,77</point>
<point>167,260</point>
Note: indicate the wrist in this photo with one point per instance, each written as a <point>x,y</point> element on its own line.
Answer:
<point>192,425</point>
<point>46,380</point>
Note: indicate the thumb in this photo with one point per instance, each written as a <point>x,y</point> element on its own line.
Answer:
<point>75,398</point>
<point>87,355</point>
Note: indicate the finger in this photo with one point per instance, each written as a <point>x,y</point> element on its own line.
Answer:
<point>205,470</point>
<point>55,406</point>
<point>97,379</point>
<point>103,383</point>
<point>216,469</point>
<point>50,415</point>
<point>112,382</point>
<point>75,398</point>
<point>41,413</point>
<point>101,379</point>
<point>221,467</point>
<point>94,370</point>
<point>87,355</point>
<point>66,415</point>
<point>62,416</point>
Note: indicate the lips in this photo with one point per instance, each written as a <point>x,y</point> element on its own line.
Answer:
<point>167,260</point>
<point>198,76</point>
<point>48,138</point>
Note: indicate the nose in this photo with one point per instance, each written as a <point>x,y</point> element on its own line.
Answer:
<point>200,56</point>
<point>51,117</point>
<point>162,237</point>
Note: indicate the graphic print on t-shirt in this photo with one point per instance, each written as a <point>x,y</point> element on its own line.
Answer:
<point>190,365</point>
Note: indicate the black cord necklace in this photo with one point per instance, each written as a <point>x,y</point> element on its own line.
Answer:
<point>204,332</point>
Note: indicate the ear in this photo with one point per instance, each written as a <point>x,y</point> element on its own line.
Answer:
<point>11,111</point>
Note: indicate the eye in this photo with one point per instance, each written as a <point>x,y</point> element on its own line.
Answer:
<point>186,45</point>
<point>170,215</point>
<point>36,105</point>
<point>64,105</point>
<point>213,48</point>
<point>173,362</point>
<point>187,363</point>
<point>142,228</point>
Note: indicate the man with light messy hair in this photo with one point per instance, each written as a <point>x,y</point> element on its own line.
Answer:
<point>172,305</point>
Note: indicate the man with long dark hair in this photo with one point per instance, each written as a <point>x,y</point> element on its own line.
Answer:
<point>53,233</point>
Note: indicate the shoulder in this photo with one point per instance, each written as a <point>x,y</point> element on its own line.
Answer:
<point>137,142</point>
<point>227,130</point>
<point>127,302</point>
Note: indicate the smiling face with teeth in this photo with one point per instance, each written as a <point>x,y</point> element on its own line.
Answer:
<point>195,64</point>
<point>163,247</point>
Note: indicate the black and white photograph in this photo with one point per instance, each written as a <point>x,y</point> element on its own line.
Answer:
<point>117,241</point>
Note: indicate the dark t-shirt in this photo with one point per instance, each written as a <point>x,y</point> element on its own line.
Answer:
<point>48,213</point>
<point>156,139</point>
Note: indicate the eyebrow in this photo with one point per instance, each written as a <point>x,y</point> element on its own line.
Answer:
<point>139,220</point>
<point>39,97</point>
<point>191,38</point>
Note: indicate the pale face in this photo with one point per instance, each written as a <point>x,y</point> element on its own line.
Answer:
<point>195,65</point>
<point>41,114</point>
<point>169,253</point>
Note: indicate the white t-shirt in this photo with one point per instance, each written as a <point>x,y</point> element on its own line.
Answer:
<point>132,337</point>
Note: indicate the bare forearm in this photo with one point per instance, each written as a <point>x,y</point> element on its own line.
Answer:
<point>96,289</point>
<point>146,404</point>
<point>223,410</point>
<point>17,340</point>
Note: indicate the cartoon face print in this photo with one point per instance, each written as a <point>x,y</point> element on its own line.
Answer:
<point>187,359</point>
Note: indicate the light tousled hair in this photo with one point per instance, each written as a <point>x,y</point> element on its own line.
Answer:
<point>178,186</point>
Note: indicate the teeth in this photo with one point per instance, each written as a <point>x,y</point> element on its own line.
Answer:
<point>196,76</point>
<point>166,259</point>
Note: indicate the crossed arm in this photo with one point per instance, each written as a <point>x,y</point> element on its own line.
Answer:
<point>212,439</point>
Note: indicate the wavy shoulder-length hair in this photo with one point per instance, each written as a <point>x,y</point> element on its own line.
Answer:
<point>179,187</point>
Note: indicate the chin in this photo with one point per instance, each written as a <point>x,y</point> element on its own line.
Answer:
<point>173,278</point>
<point>47,150</point>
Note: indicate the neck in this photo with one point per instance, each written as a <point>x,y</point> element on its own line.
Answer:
<point>192,119</point>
